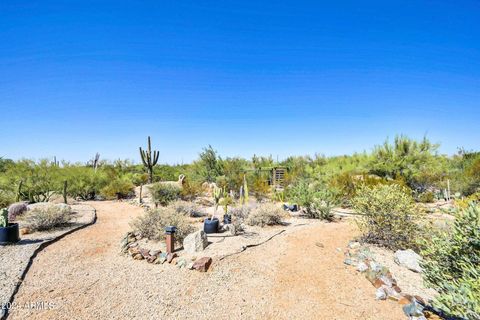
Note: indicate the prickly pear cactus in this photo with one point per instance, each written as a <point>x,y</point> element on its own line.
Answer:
<point>3,218</point>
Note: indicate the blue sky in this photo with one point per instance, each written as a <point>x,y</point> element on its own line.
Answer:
<point>264,77</point>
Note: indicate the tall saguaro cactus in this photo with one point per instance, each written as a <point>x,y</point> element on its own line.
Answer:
<point>149,159</point>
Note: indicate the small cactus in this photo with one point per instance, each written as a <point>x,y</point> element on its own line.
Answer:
<point>4,218</point>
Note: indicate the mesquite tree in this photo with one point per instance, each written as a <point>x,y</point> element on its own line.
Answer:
<point>149,159</point>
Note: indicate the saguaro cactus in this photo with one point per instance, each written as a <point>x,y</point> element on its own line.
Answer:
<point>149,159</point>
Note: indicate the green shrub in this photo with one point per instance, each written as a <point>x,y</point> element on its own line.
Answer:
<point>47,217</point>
<point>190,190</point>
<point>152,224</point>
<point>266,214</point>
<point>389,216</point>
<point>117,189</point>
<point>84,182</point>
<point>322,206</point>
<point>451,265</point>
<point>426,197</point>
<point>317,202</point>
<point>164,193</point>
<point>6,198</point>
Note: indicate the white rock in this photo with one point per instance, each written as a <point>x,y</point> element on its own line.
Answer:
<point>195,242</point>
<point>362,267</point>
<point>408,259</point>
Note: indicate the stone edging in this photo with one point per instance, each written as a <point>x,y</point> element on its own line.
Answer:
<point>43,245</point>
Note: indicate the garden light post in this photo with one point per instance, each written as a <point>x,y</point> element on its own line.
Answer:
<point>170,238</point>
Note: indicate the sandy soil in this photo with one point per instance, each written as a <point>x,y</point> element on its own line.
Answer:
<point>297,275</point>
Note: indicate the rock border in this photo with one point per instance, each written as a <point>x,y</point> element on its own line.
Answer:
<point>4,310</point>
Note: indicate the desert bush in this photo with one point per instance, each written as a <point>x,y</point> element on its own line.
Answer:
<point>240,213</point>
<point>164,193</point>
<point>266,214</point>
<point>416,162</point>
<point>316,201</point>
<point>389,217</point>
<point>40,180</point>
<point>186,208</point>
<point>152,224</point>
<point>47,217</point>
<point>84,182</point>
<point>426,197</point>
<point>451,265</point>
<point>117,189</point>
<point>190,190</point>
<point>6,198</point>
<point>322,206</point>
<point>467,201</point>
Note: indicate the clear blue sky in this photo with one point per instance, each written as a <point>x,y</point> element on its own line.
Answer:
<point>264,77</point>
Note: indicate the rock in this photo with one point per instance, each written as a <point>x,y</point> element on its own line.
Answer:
<point>354,245</point>
<point>171,256</point>
<point>319,244</point>
<point>190,266</point>
<point>413,309</point>
<point>138,256</point>
<point>144,252</point>
<point>232,229</point>
<point>181,263</point>
<point>202,264</point>
<point>133,245</point>
<point>133,251</point>
<point>24,231</point>
<point>154,252</point>
<point>162,257</point>
<point>405,299</point>
<point>380,294</point>
<point>362,267</point>
<point>195,242</point>
<point>408,259</point>
<point>151,259</point>
<point>349,262</point>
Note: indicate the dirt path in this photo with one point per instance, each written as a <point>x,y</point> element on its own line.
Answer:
<point>84,277</point>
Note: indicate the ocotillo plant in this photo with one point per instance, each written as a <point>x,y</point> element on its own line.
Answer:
<point>149,159</point>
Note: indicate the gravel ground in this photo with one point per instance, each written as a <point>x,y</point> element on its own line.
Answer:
<point>298,274</point>
<point>15,258</point>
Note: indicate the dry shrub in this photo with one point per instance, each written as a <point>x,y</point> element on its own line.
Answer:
<point>186,208</point>
<point>266,214</point>
<point>152,224</point>
<point>47,217</point>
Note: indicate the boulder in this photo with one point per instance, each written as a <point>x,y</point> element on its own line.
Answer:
<point>195,242</point>
<point>202,264</point>
<point>408,259</point>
